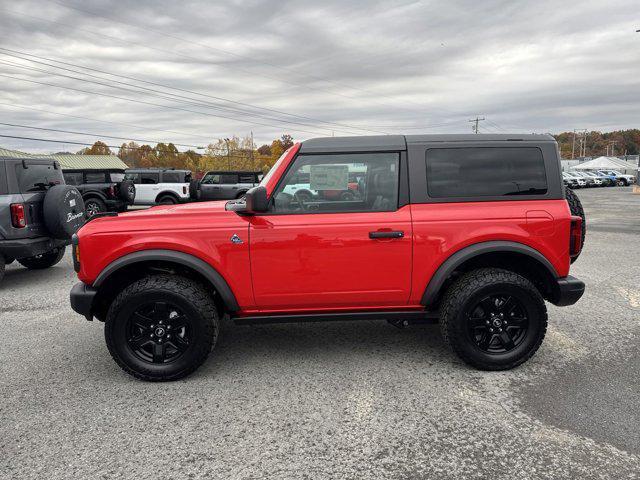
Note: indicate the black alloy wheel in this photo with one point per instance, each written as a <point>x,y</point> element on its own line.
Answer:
<point>158,332</point>
<point>498,323</point>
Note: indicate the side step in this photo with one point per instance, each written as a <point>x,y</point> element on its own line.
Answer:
<point>403,318</point>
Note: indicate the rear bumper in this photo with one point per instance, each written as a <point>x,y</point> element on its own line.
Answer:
<point>30,247</point>
<point>81,297</point>
<point>568,291</point>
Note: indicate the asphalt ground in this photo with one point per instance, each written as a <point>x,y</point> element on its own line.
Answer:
<point>335,400</point>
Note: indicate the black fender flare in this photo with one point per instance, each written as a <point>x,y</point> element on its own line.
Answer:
<point>203,268</point>
<point>169,193</point>
<point>458,258</point>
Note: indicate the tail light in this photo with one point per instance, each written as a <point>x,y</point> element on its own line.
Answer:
<point>18,218</point>
<point>112,191</point>
<point>575,243</point>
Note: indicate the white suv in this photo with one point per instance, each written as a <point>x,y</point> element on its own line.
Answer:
<point>159,186</point>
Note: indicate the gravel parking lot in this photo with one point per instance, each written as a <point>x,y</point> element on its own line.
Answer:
<point>338,400</point>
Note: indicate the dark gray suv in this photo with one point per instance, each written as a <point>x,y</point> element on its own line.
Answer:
<point>38,212</point>
<point>225,185</point>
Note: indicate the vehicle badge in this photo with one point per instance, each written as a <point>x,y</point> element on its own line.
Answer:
<point>235,238</point>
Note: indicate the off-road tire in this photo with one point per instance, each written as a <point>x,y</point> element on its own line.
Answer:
<point>191,297</point>
<point>46,260</point>
<point>127,191</point>
<point>63,211</point>
<point>94,206</point>
<point>576,209</point>
<point>472,286</point>
<point>167,200</point>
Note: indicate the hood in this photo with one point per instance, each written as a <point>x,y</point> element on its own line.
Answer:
<point>164,217</point>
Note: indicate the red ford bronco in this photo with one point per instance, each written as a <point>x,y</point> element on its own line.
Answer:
<point>472,231</point>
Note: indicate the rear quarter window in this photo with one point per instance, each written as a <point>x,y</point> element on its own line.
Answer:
<point>172,177</point>
<point>485,172</point>
<point>73,178</point>
<point>94,177</point>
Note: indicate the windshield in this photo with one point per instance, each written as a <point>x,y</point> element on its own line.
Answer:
<point>37,176</point>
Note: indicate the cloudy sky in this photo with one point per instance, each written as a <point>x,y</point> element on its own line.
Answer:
<point>193,71</point>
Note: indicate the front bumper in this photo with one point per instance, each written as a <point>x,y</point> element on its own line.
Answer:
<point>82,296</point>
<point>567,291</point>
<point>30,247</point>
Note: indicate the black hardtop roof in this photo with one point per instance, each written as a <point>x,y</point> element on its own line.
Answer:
<point>156,170</point>
<point>391,143</point>
<point>234,172</point>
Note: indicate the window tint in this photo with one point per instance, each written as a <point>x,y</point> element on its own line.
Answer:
<point>247,178</point>
<point>171,177</point>
<point>485,171</point>
<point>94,177</point>
<point>228,178</point>
<point>148,178</point>
<point>37,176</point>
<point>365,182</point>
<point>211,178</point>
<point>73,178</point>
<point>134,177</point>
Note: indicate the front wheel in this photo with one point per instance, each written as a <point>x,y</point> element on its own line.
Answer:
<point>493,319</point>
<point>93,206</point>
<point>161,327</point>
<point>167,200</point>
<point>45,260</point>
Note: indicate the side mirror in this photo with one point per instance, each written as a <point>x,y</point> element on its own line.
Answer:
<point>255,201</point>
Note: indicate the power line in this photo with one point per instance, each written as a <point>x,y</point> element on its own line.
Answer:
<point>83,67</point>
<point>150,103</point>
<point>35,139</point>
<point>96,135</point>
<point>163,95</point>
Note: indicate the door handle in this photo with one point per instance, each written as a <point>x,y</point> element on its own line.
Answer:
<point>386,234</point>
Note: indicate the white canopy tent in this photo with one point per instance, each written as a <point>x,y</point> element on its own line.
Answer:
<point>606,163</point>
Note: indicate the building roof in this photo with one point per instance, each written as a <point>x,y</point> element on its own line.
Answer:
<point>74,162</point>
<point>610,163</point>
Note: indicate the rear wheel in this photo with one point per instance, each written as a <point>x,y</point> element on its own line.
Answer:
<point>493,319</point>
<point>94,206</point>
<point>167,200</point>
<point>46,260</point>
<point>161,327</point>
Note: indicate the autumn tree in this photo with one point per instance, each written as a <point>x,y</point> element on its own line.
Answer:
<point>98,148</point>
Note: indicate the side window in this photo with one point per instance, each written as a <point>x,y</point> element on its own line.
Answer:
<point>94,177</point>
<point>247,178</point>
<point>171,177</point>
<point>362,182</point>
<point>73,178</point>
<point>149,178</point>
<point>485,172</point>
<point>228,178</point>
<point>134,177</point>
<point>211,178</point>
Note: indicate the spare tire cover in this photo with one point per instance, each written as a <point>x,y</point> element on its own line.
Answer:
<point>194,185</point>
<point>127,191</point>
<point>63,211</point>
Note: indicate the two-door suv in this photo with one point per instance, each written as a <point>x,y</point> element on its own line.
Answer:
<point>473,231</point>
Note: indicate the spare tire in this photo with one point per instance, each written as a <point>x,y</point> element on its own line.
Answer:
<point>194,186</point>
<point>63,211</point>
<point>576,209</point>
<point>127,191</point>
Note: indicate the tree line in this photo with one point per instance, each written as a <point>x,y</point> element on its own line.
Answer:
<point>618,142</point>
<point>239,153</point>
<point>236,153</point>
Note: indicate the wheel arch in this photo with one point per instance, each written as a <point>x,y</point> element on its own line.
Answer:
<point>94,194</point>
<point>167,193</point>
<point>514,256</point>
<point>133,266</point>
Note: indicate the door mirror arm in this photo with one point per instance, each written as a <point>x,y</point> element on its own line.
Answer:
<point>255,201</point>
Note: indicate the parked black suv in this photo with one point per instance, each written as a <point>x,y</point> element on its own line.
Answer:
<point>38,212</point>
<point>225,185</point>
<point>104,190</point>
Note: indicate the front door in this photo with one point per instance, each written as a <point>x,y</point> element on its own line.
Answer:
<point>339,242</point>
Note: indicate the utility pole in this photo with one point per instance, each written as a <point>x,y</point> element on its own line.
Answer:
<point>226,140</point>
<point>584,143</point>
<point>613,147</point>
<point>476,121</point>
<point>573,146</point>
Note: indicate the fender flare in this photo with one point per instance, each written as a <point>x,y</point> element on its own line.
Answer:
<point>165,193</point>
<point>203,268</point>
<point>458,258</point>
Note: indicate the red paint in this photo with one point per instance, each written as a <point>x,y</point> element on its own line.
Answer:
<point>327,262</point>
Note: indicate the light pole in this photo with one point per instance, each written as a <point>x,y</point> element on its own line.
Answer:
<point>226,140</point>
